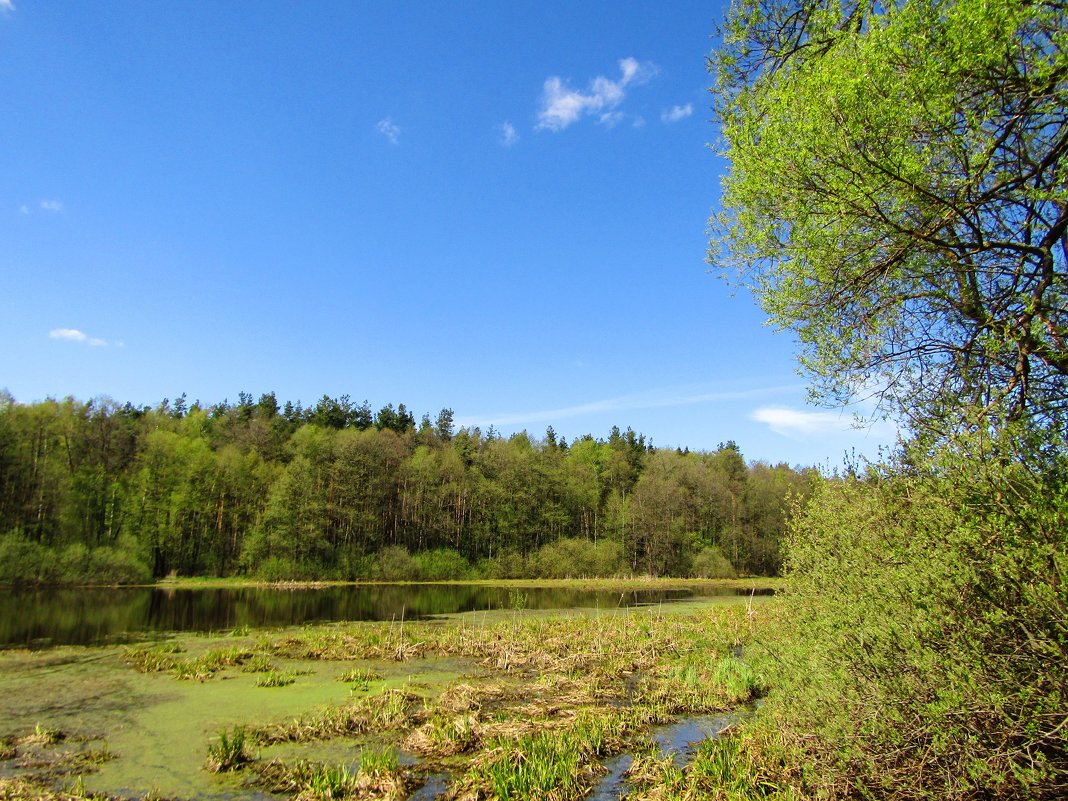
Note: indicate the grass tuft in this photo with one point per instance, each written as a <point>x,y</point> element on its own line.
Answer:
<point>228,752</point>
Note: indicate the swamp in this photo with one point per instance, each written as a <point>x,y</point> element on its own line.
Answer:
<point>602,692</point>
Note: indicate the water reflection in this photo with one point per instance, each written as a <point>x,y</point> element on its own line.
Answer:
<point>44,617</point>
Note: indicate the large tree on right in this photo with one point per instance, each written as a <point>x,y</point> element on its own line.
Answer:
<point>898,197</point>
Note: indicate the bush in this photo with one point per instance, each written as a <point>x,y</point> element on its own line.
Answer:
<point>508,564</point>
<point>710,563</point>
<point>923,642</point>
<point>26,562</point>
<point>574,558</point>
<point>280,568</point>
<point>394,563</point>
<point>442,564</point>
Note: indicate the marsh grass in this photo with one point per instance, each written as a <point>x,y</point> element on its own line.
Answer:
<point>554,698</point>
<point>723,769</point>
<point>379,776</point>
<point>163,659</point>
<point>359,679</point>
<point>391,710</point>
<point>258,663</point>
<point>276,679</point>
<point>46,759</point>
<point>228,751</point>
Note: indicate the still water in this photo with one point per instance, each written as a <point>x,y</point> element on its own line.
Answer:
<point>47,617</point>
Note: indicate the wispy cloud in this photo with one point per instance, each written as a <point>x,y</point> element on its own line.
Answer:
<point>798,423</point>
<point>389,129</point>
<point>676,113</point>
<point>74,335</point>
<point>508,134</point>
<point>49,205</point>
<point>562,106</point>
<point>803,424</point>
<point>69,334</point>
<point>657,399</point>
<point>6,5</point>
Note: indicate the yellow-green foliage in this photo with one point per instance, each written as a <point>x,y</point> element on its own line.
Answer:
<point>922,649</point>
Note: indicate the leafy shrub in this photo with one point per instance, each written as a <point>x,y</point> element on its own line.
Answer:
<point>394,563</point>
<point>922,650</point>
<point>26,562</point>
<point>442,564</point>
<point>278,568</point>
<point>507,564</point>
<point>710,563</point>
<point>573,557</point>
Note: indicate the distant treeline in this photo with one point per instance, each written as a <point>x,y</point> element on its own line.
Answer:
<point>98,491</point>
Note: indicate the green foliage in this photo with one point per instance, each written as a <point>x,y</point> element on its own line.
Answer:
<point>578,558</point>
<point>923,647</point>
<point>710,562</point>
<point>538,766</point>
<point>98,493</point>
<point>897,197</point>
<point>275,679</point>
<point>394,563</point>
<point>27,562</point>
<point>442,564</point>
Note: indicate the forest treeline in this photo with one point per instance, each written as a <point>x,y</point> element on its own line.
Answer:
<point>98,491</point>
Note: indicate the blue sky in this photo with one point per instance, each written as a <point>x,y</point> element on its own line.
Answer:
<point>495,207</point>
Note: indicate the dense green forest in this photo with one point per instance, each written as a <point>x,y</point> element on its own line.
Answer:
<point>98,491</point>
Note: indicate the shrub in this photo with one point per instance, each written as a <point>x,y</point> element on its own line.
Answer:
<point>442,564</point>
<point>710,563</point>
<point>278,568</point>
<point>394,563</point>
<point>507,564</point>
<point>922,650</point>
<point>569,558</point>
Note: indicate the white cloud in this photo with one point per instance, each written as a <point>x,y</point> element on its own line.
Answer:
<point>51,205</point>
<point>74,335</point>
<point>562,106</point>
<point>611,119</point>
<point>389,129</point>
<point>24,209</point>
<point>509,135</point>
<point>676,113</point>
<point>803,424</point>
<point>70,334</point>
<point>7,5</point>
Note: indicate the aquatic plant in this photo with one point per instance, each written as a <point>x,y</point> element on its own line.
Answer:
<point>275,679</point>
<point>379,776</point>
<point>375,762</point>
<point>228,752</point>
<point>359,678</point>
<point>387,711</point>
<point>537,766</point>
<point>260,663</point>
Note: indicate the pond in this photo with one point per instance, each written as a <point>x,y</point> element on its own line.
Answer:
<point>42,618</point>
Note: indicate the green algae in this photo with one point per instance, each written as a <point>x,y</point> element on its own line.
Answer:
<point>450,694</point>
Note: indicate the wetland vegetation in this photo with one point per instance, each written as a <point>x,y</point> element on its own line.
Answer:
<point>510,704</point>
